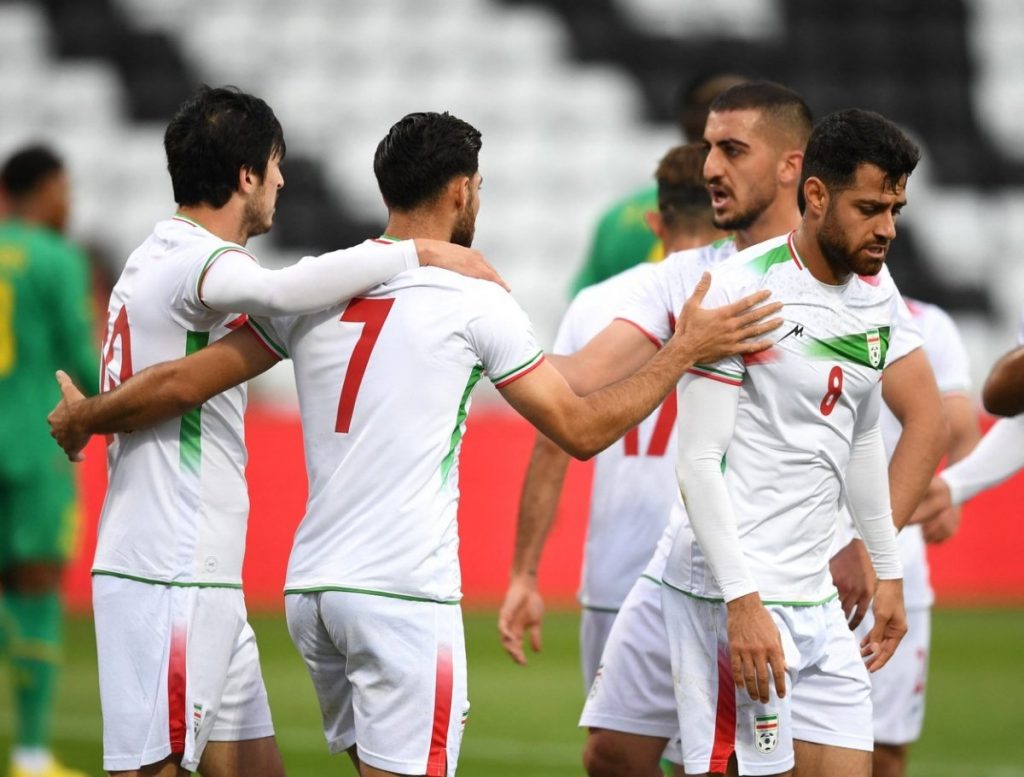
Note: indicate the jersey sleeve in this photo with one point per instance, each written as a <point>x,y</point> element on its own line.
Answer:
<point>649,305</point>
<point>906,336</point>
<point>501,335</point>
<point>274,332</point>
<point>947,353</point>
<point>729,370</point>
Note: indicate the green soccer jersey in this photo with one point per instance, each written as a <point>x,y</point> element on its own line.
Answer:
<point>46,324</point>
<point>622,240</point>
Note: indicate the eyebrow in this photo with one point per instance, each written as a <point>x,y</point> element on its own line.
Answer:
<point>730,142</point>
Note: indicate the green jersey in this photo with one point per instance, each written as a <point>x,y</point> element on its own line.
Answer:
<point>622,240</point>
<point>46,324</point>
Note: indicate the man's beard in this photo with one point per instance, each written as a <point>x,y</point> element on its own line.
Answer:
<point>746,218</point>
<point>255,221</point>
<point>839,255</point>
<point>464,228</point>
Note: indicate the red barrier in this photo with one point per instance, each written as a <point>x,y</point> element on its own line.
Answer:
<point>981,564</point>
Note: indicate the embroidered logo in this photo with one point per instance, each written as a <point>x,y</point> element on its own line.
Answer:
<point>766,732</point>
<point>874,347</point>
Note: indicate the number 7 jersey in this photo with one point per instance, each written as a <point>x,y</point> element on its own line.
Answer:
<point>801,403</point>
<point>384,384</point>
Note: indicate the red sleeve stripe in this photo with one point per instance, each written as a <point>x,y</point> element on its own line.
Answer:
<point>713,376</point>
<point>648,335</point>
<point>265,341</point>
<point>516,375</point>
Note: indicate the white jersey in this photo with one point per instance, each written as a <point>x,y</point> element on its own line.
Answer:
<point>177,504</point>
<point>948,357</point>
<point>384,385</point>
<point>634,484</point>
<point>801,404</point>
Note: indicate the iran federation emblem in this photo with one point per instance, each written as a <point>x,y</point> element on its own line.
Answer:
<point>874,347</point>
<point>766,732</point>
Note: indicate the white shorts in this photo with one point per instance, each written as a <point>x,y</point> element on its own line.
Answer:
<point>178,667</point>
<point>898,688</point>
<point>828,700</point>
<point>390,675</point>
<point>594,628</point>
<point>632,691</point>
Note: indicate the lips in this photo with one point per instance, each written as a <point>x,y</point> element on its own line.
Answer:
<point>719,196</point>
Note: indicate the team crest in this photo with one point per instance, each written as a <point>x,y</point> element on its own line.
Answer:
<point>197,718</point>
<point>874,347</point>
<point>766,732</point>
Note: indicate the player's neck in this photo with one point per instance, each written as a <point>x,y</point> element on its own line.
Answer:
<point>416,225</point>
<point>225,222</point>
<point>779,218</point>
<point>810,254</point>
<point>695,238</point>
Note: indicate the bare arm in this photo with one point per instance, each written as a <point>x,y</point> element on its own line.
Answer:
<point>618,350</point>
<point>1003,393</point>
<point>909,391</point>
<point>964,434</point>
<point>523,608</point>
<point>158,393</point>
<point>585,426</point>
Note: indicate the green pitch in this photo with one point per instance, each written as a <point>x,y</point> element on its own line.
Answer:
<point>523,720</point>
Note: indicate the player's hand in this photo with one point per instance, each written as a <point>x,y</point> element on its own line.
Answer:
<point>890,625</point>
<point>755,648</point>
<point>942,526</point>
<point>937,499</point>
<point>854,576</point>
<point>522,611</point>
<point>464,261</point>
<point>711,334</point>
<point>61,419</point>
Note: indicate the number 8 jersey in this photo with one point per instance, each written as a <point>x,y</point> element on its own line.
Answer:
<point>384,386</point>
<point>800,403</point>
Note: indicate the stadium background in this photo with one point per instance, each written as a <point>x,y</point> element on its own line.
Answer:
<point>574,99</point>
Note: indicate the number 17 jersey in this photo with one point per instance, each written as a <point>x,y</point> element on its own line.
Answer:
<point>384,384</point>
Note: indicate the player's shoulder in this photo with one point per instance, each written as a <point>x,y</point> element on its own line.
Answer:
<point>191,241</point>
<point>928,312</point>
<point>754,266</point>
<point>871,290</point>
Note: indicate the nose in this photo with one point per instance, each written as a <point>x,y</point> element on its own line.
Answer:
<point>712,164</point>
<point>886,226</point>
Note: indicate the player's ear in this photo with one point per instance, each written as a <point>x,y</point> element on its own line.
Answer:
<point>791,165</point>
<point>247,179</point>
<point>459,190</point>
<point>656,223</point>
<point>815,196</point>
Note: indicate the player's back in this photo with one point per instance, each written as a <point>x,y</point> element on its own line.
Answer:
<point>384,386</point>
<point>177,503</point>
<point>45,325</point>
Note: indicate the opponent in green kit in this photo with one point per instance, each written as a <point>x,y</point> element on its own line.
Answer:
<point>45,323</point>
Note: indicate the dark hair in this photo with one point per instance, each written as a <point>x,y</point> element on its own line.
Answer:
<point>681,190</point>
<point>26,169</point>
<point>845,140</point>
<point>780,104</point>
<point>213,135</point>
<point>419,156</point>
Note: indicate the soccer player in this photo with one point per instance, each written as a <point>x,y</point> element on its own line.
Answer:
<point>634,486</point>
<point>384,383</point>
<point>898,688</point>
<point>178,664</point>
<point>769,446</point>
<point>622,237</point>
<point>45,321</point>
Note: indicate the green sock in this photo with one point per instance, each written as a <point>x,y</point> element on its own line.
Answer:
<point>35,659</point>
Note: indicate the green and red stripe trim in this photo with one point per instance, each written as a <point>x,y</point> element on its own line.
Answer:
<point>722,376</point>
<point>517,372</point>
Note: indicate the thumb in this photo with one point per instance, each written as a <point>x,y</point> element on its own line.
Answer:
<point>67,386</point>
<point>701,289</point>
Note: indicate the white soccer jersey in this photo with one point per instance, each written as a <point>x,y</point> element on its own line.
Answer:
<point>176,504</point>
<point>384,385</point>
<point>948,357</point>
<point>798,411</point>
<point>634,484</point>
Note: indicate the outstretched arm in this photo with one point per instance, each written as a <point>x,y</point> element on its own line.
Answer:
<point>1003,393</point>
<point>523,608</point>
<point>158,393</point>
<point>235,283</point>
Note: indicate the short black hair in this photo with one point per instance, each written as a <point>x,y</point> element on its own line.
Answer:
<point>845,140</point>
<point>26,169</point>
<point>214,134</point>
<point>681,189</point>
<point>419,156</point>
<point>776,102</point>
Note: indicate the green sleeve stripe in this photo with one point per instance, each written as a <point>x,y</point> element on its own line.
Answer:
<point>521,368</point>
<point>266,338</point>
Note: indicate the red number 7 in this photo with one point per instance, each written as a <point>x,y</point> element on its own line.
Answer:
<point>371,313</point>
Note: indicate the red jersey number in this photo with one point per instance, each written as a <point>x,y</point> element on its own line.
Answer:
<point>372,314</point>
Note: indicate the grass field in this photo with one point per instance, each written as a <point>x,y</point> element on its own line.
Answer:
<point>523,719</point>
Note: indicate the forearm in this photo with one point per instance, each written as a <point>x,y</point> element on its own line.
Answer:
<point>869,503</point>
<point>706,419</point>
<point>999,455</point>
<point>538,504</point>
<point>235,283</point>
<point>1003,393</point>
